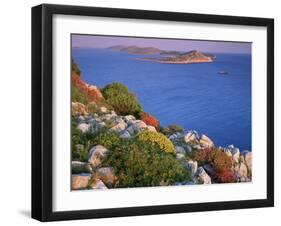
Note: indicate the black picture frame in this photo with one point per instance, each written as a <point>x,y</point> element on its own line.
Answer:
<point>42,107</point>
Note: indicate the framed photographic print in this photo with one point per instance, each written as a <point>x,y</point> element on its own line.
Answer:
<point>147,112</point>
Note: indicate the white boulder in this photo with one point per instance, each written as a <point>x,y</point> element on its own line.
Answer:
<point>129,119</point>
<point>206,141</point>
<point>125,134</point>
<point>180,150</point>
<point>119,127</point>
<point>106,174</point>
<point>96,155</point>
<point>191,136</point>
<point>248,159</point>
<point>151,128</point>
<point>98,184</point>
<point>80,181</point>
<point>192,166</point>
<point>203,177</point>
<point>103,109</point>
<point>84,127</point>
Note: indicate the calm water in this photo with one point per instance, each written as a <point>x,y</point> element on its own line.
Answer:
<point>192,95</point>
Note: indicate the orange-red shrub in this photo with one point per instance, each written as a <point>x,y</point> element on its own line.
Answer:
<point>220,160</point>
<point>226,176</point>
<point>92,92</point>
<point>202,156</point>
<point>149,120</point>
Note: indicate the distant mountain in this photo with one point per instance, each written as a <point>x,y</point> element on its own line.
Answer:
<point>193,56</point>
<point>136,49</point>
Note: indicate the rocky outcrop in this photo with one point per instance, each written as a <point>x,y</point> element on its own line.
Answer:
<point>119,127</point>
<point>96,155</point>
<point>247,159</point>
<point>241,172</point>
<point>136,126</point>
<point>97,184</point>
<point>206,142</point>
<point>84,127</point>
<point>78,167</point>
<point>78,109</point>
<point>203,177</point>
<point>106,174</point>
<point>80,181</point>
<point>192,166</point>
<point>191,136</point>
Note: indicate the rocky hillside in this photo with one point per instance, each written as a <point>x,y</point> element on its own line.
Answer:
<point>193,56</point>
<point>115,144</point>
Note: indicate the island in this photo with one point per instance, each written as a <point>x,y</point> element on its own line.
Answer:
<point>166,56</point>
<point>190,57</point>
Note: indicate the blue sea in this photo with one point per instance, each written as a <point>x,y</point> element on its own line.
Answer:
<point>194,96</point>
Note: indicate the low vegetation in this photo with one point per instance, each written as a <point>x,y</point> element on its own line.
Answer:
<point>140,164</point>
<point>123,102</point>
<point>157,140</point>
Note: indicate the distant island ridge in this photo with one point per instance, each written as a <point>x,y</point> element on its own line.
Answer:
<point>170,57</point>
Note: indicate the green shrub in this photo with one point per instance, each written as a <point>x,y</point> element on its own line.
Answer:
<point>114,89</point>
<point>77,96</point>
<point>106,139</point>
<point>172,129</point>
<point>123,102</point>
<point>157,140</point>
<point>79,138</point>
<point>138,164</point>
<point>74,67</point>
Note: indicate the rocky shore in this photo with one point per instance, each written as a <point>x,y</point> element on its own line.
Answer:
<point>115,145</point>
<point>93,175</point>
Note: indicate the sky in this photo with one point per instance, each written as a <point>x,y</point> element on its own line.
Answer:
<point>92,41</point>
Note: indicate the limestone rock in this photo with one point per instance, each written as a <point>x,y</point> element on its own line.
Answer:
<point>203,177</point>
<point>136,127</point>
<point>80,181</point>
<point>129,119</point>
<point>80,167</point>
<point>151,128</point>
<point>248,159</point>
<point>241,172</point>
<point>98,184</point>
<point>96,155</point>
<point>78,109</point>
<point>227,152</point>
<point>192,166</point>
<point>191,136</point>
<point>180,149</point>
<point>235,154</point>
<point>180,156</point>
<point>125,134</point>
<point>139,126</point>
<point>84,127</point>
<point>206,141</point>
<point>103,109</point>
<point>106,174</point>
<point>119,127</point>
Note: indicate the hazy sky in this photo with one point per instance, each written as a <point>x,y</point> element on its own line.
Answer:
<point>164,44</point>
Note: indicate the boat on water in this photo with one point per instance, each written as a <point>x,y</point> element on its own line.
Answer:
<point>222,72</point>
